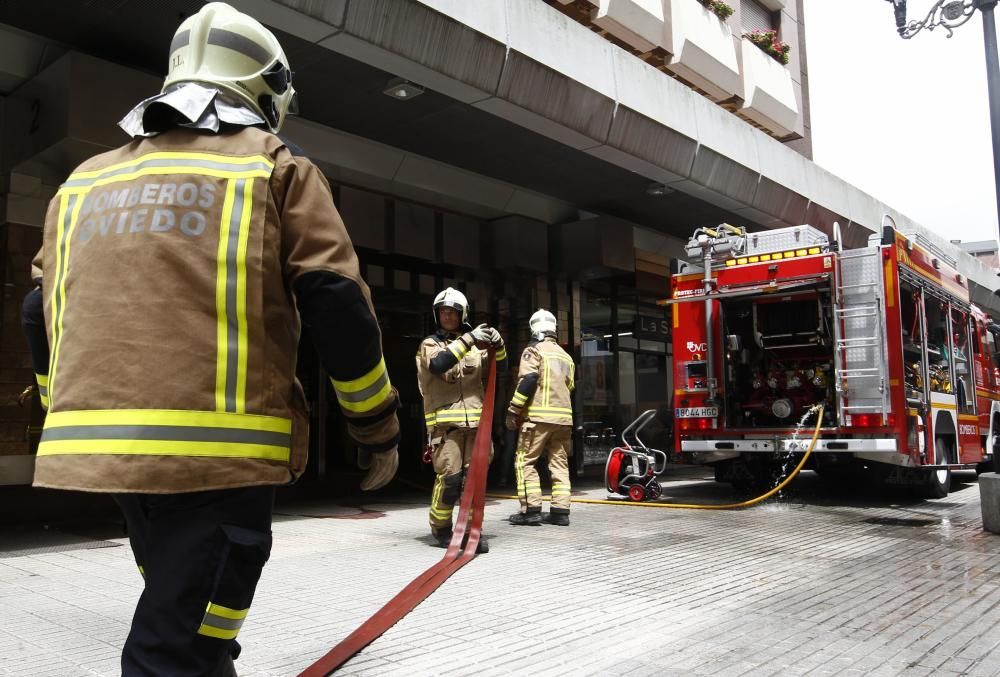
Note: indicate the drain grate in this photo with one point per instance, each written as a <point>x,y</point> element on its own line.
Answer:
<point>901,521</point>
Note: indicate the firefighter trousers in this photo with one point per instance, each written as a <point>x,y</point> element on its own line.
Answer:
<point>451,452</point>
<point>201,555</point>
<point>537,440</point>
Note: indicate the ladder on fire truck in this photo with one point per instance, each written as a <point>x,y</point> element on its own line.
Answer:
<point>860,358</point>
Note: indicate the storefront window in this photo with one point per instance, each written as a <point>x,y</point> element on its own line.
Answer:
<point>652,390</point>
<point>626,322</point>
<point>596,380</point>
<point>626,383</point>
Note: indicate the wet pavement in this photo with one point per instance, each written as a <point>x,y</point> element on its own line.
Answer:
<point>826,580</point>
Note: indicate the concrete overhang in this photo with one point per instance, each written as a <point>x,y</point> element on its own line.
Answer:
<point>520,93</point>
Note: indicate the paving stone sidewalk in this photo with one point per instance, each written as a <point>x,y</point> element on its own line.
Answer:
<point>823,582</point>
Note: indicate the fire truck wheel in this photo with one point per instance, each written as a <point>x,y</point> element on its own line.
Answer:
<point>939,479</point>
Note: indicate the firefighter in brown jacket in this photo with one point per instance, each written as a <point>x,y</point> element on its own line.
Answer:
<point>542,408</point>
<point>164,334</point>
<point>450,373</point>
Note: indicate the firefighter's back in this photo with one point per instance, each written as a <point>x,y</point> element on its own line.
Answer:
<point>172,334</point>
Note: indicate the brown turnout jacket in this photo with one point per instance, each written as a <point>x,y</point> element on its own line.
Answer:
<point>171,271</point>
<point>545,384</point>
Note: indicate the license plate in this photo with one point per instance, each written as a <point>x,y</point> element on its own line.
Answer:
<point>696,412</point>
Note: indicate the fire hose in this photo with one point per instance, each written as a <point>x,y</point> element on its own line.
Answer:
<point>460,552</point>
<point>711,506</point>
<point>457,555</point>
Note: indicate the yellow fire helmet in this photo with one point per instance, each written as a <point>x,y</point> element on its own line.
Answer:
<point>222,47</point>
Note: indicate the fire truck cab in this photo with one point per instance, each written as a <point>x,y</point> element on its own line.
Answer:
<point>884,336</point>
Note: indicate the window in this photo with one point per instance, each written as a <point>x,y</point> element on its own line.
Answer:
<point>963,385</point>
<point>756,17</point>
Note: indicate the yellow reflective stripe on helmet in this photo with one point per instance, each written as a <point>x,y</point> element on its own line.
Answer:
<point>230,297</point>
<point>222,622</point>
<point>366,393</point>
<point>69,213</point>
<point>166,433</point>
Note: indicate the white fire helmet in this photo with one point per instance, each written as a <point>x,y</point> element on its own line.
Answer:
<point>542,323</point>
<point>451,298</point>
<point>222,47</point>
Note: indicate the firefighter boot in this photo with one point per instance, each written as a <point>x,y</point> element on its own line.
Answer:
<point>559,517</point>
<point>531,518</point>
<point>442,536</point>
<point>483,546</point>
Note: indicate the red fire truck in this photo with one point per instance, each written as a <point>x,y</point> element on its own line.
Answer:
<point>884,336</point>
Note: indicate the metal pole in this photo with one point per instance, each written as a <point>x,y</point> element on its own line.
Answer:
<point>993,83</point>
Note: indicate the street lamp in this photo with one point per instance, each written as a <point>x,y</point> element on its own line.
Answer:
<point>951,15</point>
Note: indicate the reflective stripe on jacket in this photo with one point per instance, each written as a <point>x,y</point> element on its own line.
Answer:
<point>169,271</point>
<point>455,397</point>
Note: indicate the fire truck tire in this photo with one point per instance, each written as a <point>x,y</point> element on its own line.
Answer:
<point>938,483</point>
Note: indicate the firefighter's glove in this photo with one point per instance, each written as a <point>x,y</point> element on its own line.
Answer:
<point>511,422</point>
<point>381,469</point>
<point>495,340</point>
<point>482,336</point>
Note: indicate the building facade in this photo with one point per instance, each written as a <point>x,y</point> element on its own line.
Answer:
<point>534,153</point>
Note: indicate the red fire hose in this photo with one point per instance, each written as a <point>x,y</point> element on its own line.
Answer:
<point>457,556</point>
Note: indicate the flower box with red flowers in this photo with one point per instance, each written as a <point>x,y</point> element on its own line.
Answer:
<point>768,42</point>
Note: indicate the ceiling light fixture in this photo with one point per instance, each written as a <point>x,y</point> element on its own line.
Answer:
<point>658,189</point>
<point>402,89</point>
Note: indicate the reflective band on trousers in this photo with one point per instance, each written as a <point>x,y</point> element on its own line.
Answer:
<point>222,622</point>
<point>145,432</point>
<point>452,416</point>
<point>366,393</point>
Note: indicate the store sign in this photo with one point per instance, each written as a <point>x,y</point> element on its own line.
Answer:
<point>652,328</point>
